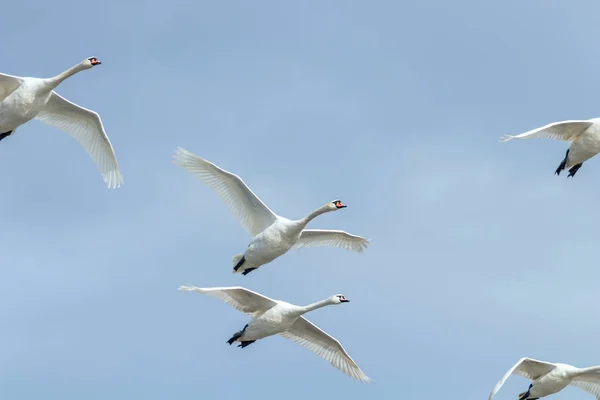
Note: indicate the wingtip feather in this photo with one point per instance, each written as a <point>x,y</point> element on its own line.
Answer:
<point>189,288</point>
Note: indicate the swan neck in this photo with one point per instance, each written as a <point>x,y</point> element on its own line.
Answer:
<point>315,213</point>
<point>588,369</point>
<point>57,80</point>
<point>314,306</point>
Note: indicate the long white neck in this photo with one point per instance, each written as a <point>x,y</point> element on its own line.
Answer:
<point>314,306</point>
<point>321,210</point>
<point>588,369</point>
<point>55,81</point>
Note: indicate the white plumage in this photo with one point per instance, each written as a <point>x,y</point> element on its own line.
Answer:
<point>583,136</point>
<point>23,99</point>
<point>273,235</point>
<point>271,317</point>
<point>549,378</point>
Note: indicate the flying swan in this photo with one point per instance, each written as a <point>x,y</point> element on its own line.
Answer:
<point>273,235</point>
<point>23,99</point>
<point>271,317</point>
<point>549,378</point>
<point>583,136</point>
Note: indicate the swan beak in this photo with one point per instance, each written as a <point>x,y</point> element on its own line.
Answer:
<point>339,204</point>
<point>95,61</point>
<point>344,300</point>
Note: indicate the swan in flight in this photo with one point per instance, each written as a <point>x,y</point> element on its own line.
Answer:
<point>549,378</point>
<point>583,136</point>
<point>271,317</point>
<point>273,235</point>
<point>23,99</point>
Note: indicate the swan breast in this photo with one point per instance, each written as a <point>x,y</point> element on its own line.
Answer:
<point>274,321</point>
<point>22,105</point>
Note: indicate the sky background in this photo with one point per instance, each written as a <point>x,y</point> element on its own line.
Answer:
<point>480,255</point>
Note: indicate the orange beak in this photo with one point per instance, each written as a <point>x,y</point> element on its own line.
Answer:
<point>339,204</point>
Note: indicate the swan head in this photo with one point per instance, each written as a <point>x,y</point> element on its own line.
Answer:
<point>90,62</point>
<point>336,205</point>
<point>339,299</point>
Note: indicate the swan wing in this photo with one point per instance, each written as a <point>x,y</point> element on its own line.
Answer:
<point>86,127</point>
<point>562,130</point>
<point>526,367</point>
<point>244,300</point>
<point>323,237</point>
<point>588,381</point>
<point>8,84</point>
<point>310,336</point>
<point>252,213</point>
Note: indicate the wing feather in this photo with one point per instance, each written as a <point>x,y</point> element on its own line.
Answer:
<point>86,127</point>
<point>331,238</point>
<point>310,336</point>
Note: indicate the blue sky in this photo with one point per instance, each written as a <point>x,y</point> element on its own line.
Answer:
<point>480,255</point>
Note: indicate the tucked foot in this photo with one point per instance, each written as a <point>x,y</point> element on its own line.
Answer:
<point>246,343</point>
<point>5,134</point>
<point>523,396</point>
<point>574,169</point>
<point>239,263</point>
<point>563,163</point>
<point>237,335</point>
<point>247,271</point>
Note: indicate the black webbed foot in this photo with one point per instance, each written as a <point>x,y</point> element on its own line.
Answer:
<point>246,272</point>
<point>574,169</point>
<point>239,264</point>
<point>563,163</point>
<point>5,134</point>
<point>246,343</point>
<point>237,335</point>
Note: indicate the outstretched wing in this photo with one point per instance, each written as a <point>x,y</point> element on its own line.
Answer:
<point>244,300</point>
<point>310,336</point>
<point>562,130</point>
<point>86,127</point>
<point>331,238</point>
<point>252,213</point>
<point>588,381</point>
<point>526,367</point>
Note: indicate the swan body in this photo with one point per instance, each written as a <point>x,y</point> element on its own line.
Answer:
<point>273,235</point>
<point>583,136</point>
<point>23,99</point>
<point>549,378</point>
<point>274,317</point>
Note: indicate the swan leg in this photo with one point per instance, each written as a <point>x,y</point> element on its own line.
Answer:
<point>239,263</point>
<point>574,169</point>
<point>563,163</point>
<point>237,335</point>
<point>523,396</point>
<point>246,272</point>
<point>246,343</point>
<point>5,134</point>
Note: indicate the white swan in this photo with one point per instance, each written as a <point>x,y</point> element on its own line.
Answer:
<point>273,235</point>
<point>583,136</point>
<point>271,317</point>
<point>23,99</point>
<point>549,378</point>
